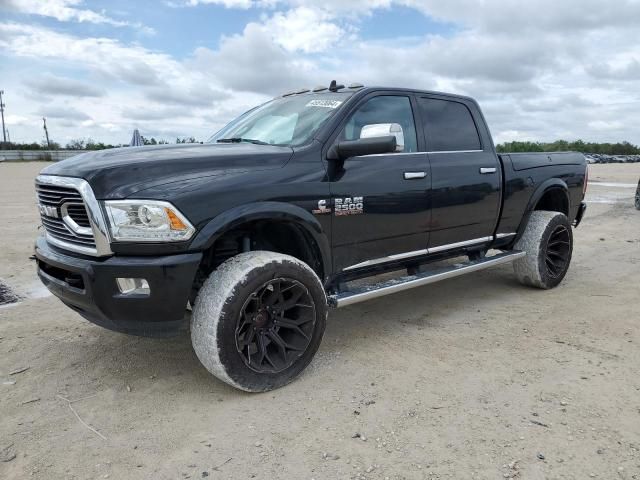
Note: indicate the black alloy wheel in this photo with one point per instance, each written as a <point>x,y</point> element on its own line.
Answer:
<point>558,251</point>
<point>276,325</point>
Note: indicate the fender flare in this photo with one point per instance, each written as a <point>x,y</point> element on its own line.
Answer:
<point>281,211</point>
<point>544,187</point>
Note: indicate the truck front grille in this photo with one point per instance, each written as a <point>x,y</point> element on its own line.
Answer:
<point>56,202</point>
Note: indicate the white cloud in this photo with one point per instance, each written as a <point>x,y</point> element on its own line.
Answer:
<point>606,125</point>
<point>541,70</point>
<point>48,84</point>
<point>127,63</point>
<point>64,112</point>
<point>309,30</point>
<point>16,120</point>
<point>68,11</point>
<point>306,28</point>
<point>262,67</point>
<point>226,3</point>
<point>137,84</point>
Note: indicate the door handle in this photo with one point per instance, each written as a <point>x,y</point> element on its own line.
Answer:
<point>414,175</point>
<point>485,170</point>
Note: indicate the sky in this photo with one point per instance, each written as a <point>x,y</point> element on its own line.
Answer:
<point>541,69</point>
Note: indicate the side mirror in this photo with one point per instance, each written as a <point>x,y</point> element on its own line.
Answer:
<point>384,130</point>
<point>364,146</point>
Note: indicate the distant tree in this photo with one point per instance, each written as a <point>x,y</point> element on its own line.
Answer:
<point>623,148</point>
<point>515,147</point>
<point>23,146</point>
<point>76,144</point>
<point>186,140</point>
<point>51,146</point>
<point>88,144</point>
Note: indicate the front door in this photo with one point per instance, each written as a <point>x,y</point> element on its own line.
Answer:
<point>381,204</point>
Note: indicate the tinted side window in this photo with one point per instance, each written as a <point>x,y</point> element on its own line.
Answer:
<point>449,126</point>
<point>384,109</point>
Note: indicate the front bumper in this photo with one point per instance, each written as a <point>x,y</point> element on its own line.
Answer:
<point>88,286</point>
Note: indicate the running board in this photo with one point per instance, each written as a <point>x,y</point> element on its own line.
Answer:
<point>368,292</point>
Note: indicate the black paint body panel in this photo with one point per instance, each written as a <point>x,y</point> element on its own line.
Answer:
<point>218,186</point>
<point>99,301</point>
<point>527,161</point>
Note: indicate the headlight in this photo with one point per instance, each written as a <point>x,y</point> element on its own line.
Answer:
<point>147,221</point>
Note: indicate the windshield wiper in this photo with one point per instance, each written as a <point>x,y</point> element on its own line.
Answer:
<point>240,140</point>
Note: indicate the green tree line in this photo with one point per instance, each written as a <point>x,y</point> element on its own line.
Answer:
<point>85,144</point>
<point>620,148</point>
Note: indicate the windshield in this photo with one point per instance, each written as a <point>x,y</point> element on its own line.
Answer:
<point>286,121</point>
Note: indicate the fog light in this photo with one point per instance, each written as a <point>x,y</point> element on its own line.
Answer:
<point>138,286</point>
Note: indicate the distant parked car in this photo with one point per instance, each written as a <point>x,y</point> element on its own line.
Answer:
<point>638,196</point>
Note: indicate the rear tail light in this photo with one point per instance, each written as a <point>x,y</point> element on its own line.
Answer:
<point>586,180</point>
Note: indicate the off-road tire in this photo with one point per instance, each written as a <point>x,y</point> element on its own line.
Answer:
<point>220,315</point>
<point>548,243</point>
<point>638,196</point>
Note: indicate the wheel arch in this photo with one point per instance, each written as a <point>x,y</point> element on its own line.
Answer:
<point>295,217</point>
<point>551,195</point>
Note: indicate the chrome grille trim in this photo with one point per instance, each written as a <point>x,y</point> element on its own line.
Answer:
<point>95,244</point>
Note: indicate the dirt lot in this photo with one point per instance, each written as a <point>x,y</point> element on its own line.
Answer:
<point>476,377</point>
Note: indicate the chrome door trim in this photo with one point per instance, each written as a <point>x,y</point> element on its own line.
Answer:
<point>395,154</point>
<point>390,258</point>
<point>505,235</point>
<point>417,253</point>
<point>94,211</point>
<point>420,153</point>
<point>457,151</point>
<point>466,243</point>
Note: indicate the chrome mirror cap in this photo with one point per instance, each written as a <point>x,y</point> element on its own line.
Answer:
<point>385,130</point>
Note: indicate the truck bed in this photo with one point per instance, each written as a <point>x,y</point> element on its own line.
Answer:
<point>528,160</point>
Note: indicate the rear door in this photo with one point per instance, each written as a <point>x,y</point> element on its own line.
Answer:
<point>465,173</point>
<point>381,204</point>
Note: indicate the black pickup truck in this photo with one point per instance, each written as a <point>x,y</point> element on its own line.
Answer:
<point>250,237</point>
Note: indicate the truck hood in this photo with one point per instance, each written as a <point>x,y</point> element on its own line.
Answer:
<point>120,172</point>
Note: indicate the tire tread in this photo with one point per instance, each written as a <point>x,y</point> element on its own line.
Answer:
<point>217,291</point>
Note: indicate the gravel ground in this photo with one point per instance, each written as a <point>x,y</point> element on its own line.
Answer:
<point>476,377</point>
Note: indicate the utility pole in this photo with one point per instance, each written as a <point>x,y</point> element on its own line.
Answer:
<point>46,132</point>
<point>4,132</point>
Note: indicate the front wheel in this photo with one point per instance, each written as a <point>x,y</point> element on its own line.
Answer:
<point>258,320</point>
<point>548,243</point>
<point>638,196</point>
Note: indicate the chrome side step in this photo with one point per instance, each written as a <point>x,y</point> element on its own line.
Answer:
<point>368,292</point>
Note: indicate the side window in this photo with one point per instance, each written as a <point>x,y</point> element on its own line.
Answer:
<point>384,109</point>
<point>449,126</point>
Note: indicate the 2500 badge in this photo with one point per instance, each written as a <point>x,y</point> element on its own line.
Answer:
<point>349,206</point>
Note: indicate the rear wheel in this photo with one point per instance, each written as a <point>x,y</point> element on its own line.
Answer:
<point>638,196</point>
<point>258,320</point>
<point>548,243</point>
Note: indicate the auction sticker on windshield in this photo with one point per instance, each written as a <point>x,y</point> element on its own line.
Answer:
<point>324,103</point>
